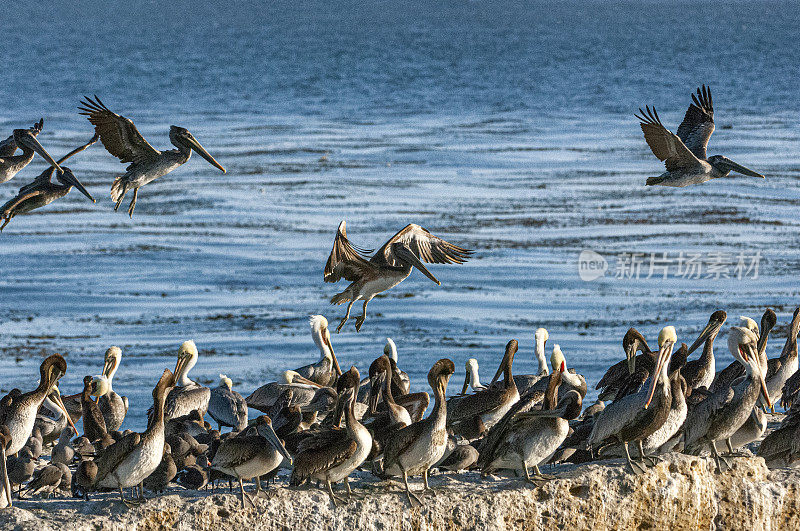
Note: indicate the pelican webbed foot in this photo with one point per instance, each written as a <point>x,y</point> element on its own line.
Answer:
<point>133,202</point>
<point>360,322</point>
<point>334,497</point>
<point>341,324</point>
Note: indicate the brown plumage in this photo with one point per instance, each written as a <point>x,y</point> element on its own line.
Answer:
<point>94,425</point>
<point>665,144</point>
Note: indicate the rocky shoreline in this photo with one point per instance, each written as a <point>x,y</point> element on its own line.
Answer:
<point>681,492</point>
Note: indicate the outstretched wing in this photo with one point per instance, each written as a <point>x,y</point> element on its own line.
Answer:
<point>118,134</point>
<point>664,144</point>
<point>21,197</point>
<point>698,123</point>
<point>346,260</point>
<point>424,245</point>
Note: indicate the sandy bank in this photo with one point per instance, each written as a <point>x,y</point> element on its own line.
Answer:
<point>682,492</point>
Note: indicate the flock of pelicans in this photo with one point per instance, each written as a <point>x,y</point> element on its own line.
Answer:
<point>324,423</point>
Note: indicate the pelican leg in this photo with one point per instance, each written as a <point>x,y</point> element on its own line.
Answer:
<point>637,469</point>
<point>133,202</point>
<point>538,474</point>
<point>719,459</point>
<point>653,460</point>
<point>245,495</point>
<point>528,477</point>
<point>121,196</point>
<point>6,222</point>
<point>425,482</point>
<point>411,496</point>
<point>361,318</point>
<point>731,451</point>
<point>334,497</point>
<point>346,317</point>
<point>350,494</point>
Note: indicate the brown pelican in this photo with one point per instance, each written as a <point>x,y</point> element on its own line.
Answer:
<point>388,267</point>
<point>570,381</point>
<point>471,378</point>
<point>163,474</point>
<point>121,138</point>
<point>780,369</point>
<point>251,456</point>
<point>684,154</point>
<point>326,370</point>
<point>51,425</point>
<point>403,381</point>
<point>719,416</point>
<point>474,413</point>
<point>660,441</point>
<point>113,406</point>
<point>42,191</point>
<point>127,462</point>
<point>616,377</point>
<point>526,381</point>
<point>265,396</point>
<point>332,454</point>
<point>735,370</point>
<point>394,416</point>
<point>415,448</point>
<point>530,438</point>
<point>24,139</point>
<point>226,406</point>
<point>187,395</point>
<point>19,415</point>
<point>94,425</point>
<point>699,373</point>
<point>630,418</point>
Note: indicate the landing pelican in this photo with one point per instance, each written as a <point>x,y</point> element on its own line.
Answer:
<point>388,267</point>
<point>24,139</point>
<point>684,154</point>
<point>121,138</point>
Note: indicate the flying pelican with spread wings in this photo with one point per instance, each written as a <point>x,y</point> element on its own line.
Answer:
<point>684,154</point>
<point>121,138</point>
<point>388,267</point>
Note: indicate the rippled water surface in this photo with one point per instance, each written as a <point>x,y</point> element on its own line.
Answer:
<point>506,128</point>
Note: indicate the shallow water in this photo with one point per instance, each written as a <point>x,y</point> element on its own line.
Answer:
<point>504,128</point>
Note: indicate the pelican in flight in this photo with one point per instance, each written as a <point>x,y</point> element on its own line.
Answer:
<point>42,191</point>
<point>684,154</point>
<point>388,267</point>
<point>121,138</point>
<point>24,139</point>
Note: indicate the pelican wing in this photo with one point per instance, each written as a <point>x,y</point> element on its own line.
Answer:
<point>114,454</point>
<point>346,260</point>
<point>465,407</point>
<point>726,376</point>
<point>790,390</point>
<point>399,442</point>
<point>227,407</point>
<point>665,145</point>
<point>698,123</point>
<point>321,452</point>
<point>118,134</point>
<point>235,451</point>
<point>424,245</point>
<point>19,199</point>
<point>699,418</point>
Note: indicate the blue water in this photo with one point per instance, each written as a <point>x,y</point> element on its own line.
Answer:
<point>504,127</point>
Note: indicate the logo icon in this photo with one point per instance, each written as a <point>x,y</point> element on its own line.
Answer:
<point>591,265</point>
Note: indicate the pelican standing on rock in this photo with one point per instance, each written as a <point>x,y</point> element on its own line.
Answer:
<point>631,419</point>
<point>417,447</point>
<point>526,381</point>
<point>42,191</point>
<point>121,138</point>
<point>719,416</point>
<point>24,139</point>
<point>226,406</point>
<point>388,267</point>
<point>700,373</point>
<point>187,395</point>
<point>129,461</point>
<point>251,456</point>
<point>684,154</point>
<point>331,455</point>
<point>113,406</point>
<point>19,416</point>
